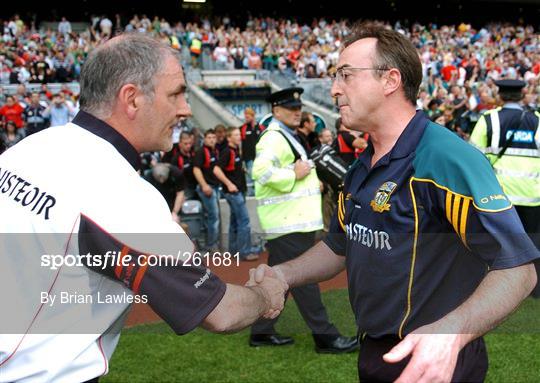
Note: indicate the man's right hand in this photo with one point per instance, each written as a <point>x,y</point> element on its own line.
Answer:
<point>273,291</point>
<point>207,190</point>
<point>257,275</point>
<point>301,169</point>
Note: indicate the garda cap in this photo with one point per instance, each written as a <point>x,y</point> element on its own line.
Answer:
<point>510,85</point>
<point>287,98</point>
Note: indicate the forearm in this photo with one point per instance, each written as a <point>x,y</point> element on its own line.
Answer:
<point>240,307</point>
<point>221,176</point>
<point>317,264</point>
<point>267,173</point>
<point>178,202</point>
<point>497,296</point>
<point>197,173</point>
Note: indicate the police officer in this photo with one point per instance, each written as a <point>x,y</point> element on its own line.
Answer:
<point>434,250</point>
<point>287,189</point>
<point>510,137</point>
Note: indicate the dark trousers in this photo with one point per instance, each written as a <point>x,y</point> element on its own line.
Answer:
<point>471,366</point>
<point>530,218</point>
<point>307,297</point>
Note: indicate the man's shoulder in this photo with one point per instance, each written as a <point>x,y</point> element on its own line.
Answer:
<point>489,112</point>
<point>445,160</point>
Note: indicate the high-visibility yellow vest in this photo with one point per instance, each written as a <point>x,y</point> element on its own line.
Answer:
<point>175,44</point>
<point>284,204</point>
<point>195,47</point>
<point>518,170</point>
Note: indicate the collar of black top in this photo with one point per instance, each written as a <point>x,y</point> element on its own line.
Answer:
<point>101,129</point>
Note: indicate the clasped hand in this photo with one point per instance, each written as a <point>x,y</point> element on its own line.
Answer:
<point>272,285</point>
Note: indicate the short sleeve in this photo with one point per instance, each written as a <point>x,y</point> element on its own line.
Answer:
<point>198,160</point>
<point>336,239</point>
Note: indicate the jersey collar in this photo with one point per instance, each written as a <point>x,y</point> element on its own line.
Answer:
<point>405,145</point>
<point>101,129</point>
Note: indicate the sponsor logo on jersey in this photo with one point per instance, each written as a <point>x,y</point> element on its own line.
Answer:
<point>376,239</point>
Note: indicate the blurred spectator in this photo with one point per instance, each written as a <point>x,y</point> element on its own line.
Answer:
<point>249,133</point>
<point>254,60</point>
<point>168,180</point>
<point>325,137</point>
<point>305,133</point>
<point>347,143</point>
<point>12,111</point>
<point>64,27</point>
<point>181,156</point>
<point>59,111</point>
<point>34,115</point>
<point>208,187</point>
<point>221,137</point>
<point>231,174</point>
<point>9,136</point>
<point>105,26</point>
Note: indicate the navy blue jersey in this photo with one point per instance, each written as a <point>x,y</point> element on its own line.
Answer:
<point>421,228</point>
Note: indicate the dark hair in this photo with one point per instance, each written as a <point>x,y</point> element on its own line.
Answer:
<point>305,118</point>
<point>511,96</point>
<point>393,50</point>
<point>209,131</point>
<point>185,135</point>
<point>219,127</point>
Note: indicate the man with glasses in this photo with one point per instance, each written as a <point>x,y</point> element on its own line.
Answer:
<point>435,253</point>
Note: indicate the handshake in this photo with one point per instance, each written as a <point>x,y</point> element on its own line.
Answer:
<point>269,282</point>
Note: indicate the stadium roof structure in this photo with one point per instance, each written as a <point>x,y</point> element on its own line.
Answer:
<point>438,11</point>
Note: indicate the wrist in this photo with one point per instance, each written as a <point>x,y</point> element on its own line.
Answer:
<point>264,299</point>
<point>452,324</point>
<point>281,273</point>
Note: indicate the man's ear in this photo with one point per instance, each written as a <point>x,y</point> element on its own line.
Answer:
<point>392,81</point>
<point>130,99</point>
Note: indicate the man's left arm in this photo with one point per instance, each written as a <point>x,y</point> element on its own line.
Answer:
<point>490,228</point>
<point>435,347</point>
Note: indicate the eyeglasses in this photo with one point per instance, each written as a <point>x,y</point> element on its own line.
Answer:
<point>342,74</point>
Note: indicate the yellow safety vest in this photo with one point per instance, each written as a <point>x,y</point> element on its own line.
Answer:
<point>518,170</point>
<point>196,45</point>
<point>284,204</point>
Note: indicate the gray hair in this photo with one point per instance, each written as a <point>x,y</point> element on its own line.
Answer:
<point>131,58</point>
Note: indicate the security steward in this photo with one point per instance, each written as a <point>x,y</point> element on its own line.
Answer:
<point>287,189</point>
<point>510,138</point>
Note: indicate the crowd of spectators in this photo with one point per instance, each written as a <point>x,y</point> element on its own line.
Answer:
<point>460,62</point>
<point>460,65</point>
<point>27,112</point>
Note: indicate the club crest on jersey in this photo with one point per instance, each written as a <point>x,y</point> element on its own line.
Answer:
<point>380,203</point>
